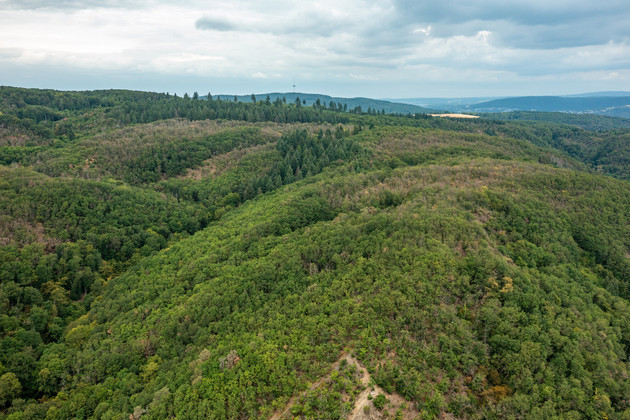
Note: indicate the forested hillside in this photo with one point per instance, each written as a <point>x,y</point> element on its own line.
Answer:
<point>614,106</point>
<point>367,105</point>
<point>590,122</point>
<point>172,257</point>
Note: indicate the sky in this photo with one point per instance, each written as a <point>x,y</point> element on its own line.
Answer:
<point>346,48</point>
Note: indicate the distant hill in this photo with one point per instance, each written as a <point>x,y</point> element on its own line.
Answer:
<point>616,106</point>
<point>611,103</point>
<point>595,94</point>
<point>443,104</point>
<point>350,103</point>
<point>591,122</point>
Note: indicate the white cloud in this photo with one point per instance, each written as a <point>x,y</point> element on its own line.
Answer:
<point>259,75</point>
<point>369,45</point>
<point>363,77</point>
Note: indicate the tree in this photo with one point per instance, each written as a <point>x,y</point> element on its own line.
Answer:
<point>339,133</point>
<point>9,388</point>
<point>253,98</point>
<point>380,401</point>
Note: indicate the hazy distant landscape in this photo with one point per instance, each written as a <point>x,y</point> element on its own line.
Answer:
<point>212,211</point>
<point>615,104</point>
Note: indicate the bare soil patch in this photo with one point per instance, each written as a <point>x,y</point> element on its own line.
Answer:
<point>364,408</point>
<point>454,115</point>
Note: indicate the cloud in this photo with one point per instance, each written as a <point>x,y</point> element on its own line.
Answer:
<point>363,77</point>
<point>72,4</point>
<point>319,19</point>
<point>213,24</point>
<point>365,43</point>
<point>534,24</point>
<point>531,12</point>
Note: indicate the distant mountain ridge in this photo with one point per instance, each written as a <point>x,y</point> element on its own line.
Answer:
<point>618,106</point>
<point>598,94</point>
<point>593,122</point>
<point>451,104</point>
<point>350,103</point>
<point>611,103</point>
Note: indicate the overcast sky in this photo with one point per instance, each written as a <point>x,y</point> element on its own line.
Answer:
<point>384,48</point>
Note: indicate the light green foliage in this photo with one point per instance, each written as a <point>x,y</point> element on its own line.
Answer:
<point>9,387</point>
<point>468,272</point>
<point>380,401</point>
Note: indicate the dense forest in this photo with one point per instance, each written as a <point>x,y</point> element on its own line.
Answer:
<point>182,257</point>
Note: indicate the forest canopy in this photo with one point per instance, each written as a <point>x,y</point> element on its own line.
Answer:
<point>177,257</point>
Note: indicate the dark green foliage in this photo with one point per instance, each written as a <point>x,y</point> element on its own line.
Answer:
<point>334,104</point>
<point>590,122</point>
<point>476,269</point>
<point>434,285</point>
<point>116,220</point>
<point>66,239</point>
<point>305,155</point>
<point>167,160</point>
<point>297,155</point>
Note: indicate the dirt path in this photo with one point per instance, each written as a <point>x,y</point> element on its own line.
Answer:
<point>363,398</point>
<point>314,385</point>
<point>363,407</point>
<point>454,115</point>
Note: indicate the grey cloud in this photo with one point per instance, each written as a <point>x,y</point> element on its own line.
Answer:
<point>532,25</point>
<point>213,24</point>
<point>71,4</point>
<point>300,23</point>
<point>559,36</point>
<point>530,13</point>
<point>9,53</point>
<point>365,40</point>
<point>315,26</point>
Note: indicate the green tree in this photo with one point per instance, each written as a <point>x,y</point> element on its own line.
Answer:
<point>9,388</point>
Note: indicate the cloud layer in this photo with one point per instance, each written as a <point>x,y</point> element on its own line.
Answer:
<point>370,48</point>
